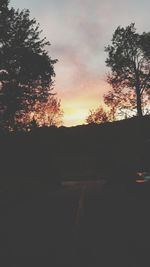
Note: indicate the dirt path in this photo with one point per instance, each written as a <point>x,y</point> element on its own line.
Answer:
<point>84,188</point>
<point>44,229</point>
<point>81,224</point>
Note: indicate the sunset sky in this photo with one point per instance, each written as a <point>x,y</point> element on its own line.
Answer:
<point>78,31</point>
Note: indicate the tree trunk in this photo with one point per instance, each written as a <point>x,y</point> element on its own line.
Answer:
<point>139,104</point>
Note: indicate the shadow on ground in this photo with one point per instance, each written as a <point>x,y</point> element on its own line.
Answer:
<point>113,228</point>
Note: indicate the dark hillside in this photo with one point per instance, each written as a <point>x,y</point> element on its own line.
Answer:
<point>47,155</point>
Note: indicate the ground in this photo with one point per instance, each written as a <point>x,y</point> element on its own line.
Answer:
<point>81,224</point>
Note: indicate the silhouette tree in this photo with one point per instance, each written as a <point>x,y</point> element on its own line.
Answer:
<point>129,60</point>
<point>48,113</point>
<point>121,104</point>
<point>26,70</point>
<point>98,116</point>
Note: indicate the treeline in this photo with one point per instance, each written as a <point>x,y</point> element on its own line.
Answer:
<point>44,157</point>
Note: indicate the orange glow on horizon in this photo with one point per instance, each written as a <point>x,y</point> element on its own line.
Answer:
<point>77,103</point>
<point>77,110</point>
<point>75,117</point>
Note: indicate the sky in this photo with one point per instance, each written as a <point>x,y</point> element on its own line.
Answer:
<point>78,31</point>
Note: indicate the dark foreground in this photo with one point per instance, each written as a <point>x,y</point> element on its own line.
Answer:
<point>83,224</point>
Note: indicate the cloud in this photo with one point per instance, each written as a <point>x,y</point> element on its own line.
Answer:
<point>78,31</point>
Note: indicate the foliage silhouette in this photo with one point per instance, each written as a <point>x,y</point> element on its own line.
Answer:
<point>26,70</point>
<point>121,104</point>
<point>48,113</point>
<point>129,60</point>
<point>98,116</point>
